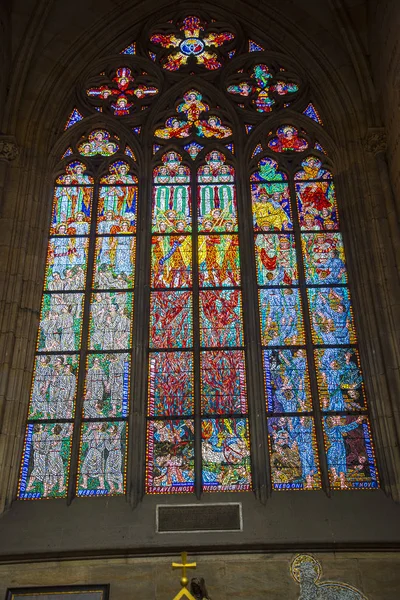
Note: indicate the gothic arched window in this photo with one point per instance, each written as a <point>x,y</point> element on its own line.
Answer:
<point>194,159</point>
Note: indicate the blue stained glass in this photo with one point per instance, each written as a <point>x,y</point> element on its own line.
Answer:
<point>73,118</point>
<point>293,453</point>
<point>287,381</point>
<point>131,49</point>
<point>312,113</point>
<point>281,317</point>
<point>253,47</point>
<point>331,316</point>
<point>340,381</point>
<point>226,455</point>
<point>349,452</point>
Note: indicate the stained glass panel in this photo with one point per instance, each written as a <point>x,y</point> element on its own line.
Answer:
<point>171,320</point>
<point>216,201</point>
<point>106,391</point>
<point>331,316</point>
<point>66,264</point>
<point>349,452</point>
<point>171,261</point>
<point>271,206</point>
<point>276,260</point>
<point>293,453</point>
<point>316,202</point>
<point>220,318</point>
<point>45,461</point>
<point>226,455</point>
<point>54,387</point>
<point>170,456</point>
<point>102,460</point>
<point>288,140</point>
<point>110,325</point>
<point>281,317</point>
<point>117,209</point>
<point>324,260</point>
<point>171,196</point>
<point>287,382</point>
<point>71,208</point>
<point>171,384</point>
<point>60,322</point>
<point>340,381</point>
<point>218,260</point>
<point>223,382</point>
<point>114,262</point>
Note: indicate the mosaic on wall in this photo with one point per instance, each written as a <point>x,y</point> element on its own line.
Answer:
<point>212,252</point>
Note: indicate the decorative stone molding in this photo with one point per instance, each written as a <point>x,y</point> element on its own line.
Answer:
<point>8,148</point>
<point>376,140</point>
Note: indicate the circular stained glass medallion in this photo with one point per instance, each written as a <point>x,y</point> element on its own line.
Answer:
<point>193,46</point>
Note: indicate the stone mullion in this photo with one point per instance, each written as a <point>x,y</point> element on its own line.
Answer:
<point>136,451</point>
<point>261,472</point>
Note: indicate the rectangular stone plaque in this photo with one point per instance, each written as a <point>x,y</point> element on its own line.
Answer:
<point>83,592</point>
<point>199,517</point>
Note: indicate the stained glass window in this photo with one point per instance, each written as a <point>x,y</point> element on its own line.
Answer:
<point>307,324</point>
<point>196,329</point>
<point>228,276</point>
<point>81,378</point>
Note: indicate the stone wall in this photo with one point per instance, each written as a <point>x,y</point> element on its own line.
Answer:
<point>243,576</point>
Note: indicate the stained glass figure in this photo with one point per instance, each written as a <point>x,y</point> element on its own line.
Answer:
<point>117,201</point>
<point>66,264</point>
<point>73,118</point>
<point>223,382</point>
<point>98,142</point>
<point>171,261</point>
<point>126,87</point>
<point>281,317</point>
<point>312,169</point>
<point>192,43</point>
<point>193,149</point>
<point>276,260</point>
<point>253,47</point>
<point>102,461</point>
<point>340,381</point>
<point>218,260</point>
<point>192,107</point>
<point>171,319</point>
<point>54,387</point>
<point>226,455</point>
<point>287,381</point>
<point>288,140</point>
<point>293,453</point>
<point>216,195</point>
<point>110,322</point>
<point>316,201</point>
<point>45,461</point>
<point>220,318</point>
<point>312,113</point>
<point>170,456</point>
<point>60,322</point>
<point>331,316</point>
<point>114,261</point>
<point>106,386</point>
<point>262,86</point>
<point>171,384</point>
<point>323,256</point>
<point>349,452</point>
<point>171,195</point>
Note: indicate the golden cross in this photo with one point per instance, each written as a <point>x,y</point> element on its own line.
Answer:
<point>184,565</point>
